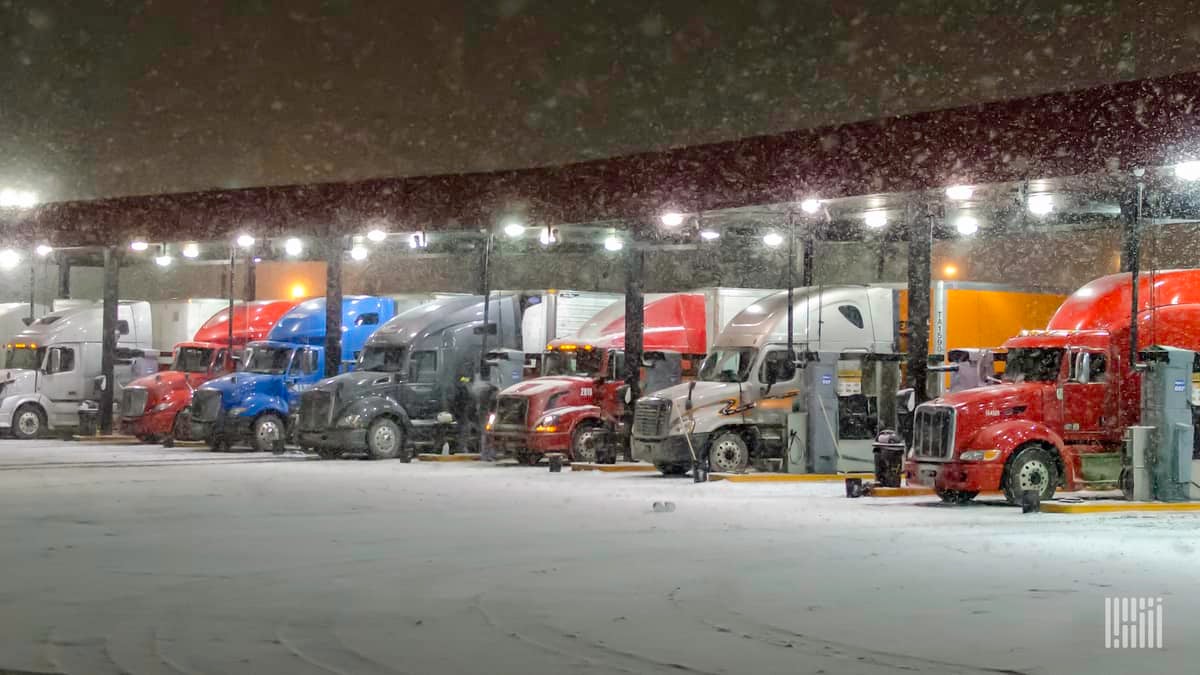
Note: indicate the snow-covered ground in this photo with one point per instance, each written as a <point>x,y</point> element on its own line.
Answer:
<point>145,560</point>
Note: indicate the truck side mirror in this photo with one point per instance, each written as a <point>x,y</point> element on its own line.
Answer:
<point>54,361</point>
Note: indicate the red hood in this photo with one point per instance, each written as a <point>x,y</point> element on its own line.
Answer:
<point>539,390</point>
<point>168,380</point>
<point>983,407</point>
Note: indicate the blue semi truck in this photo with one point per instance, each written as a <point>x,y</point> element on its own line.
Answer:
<point>255,404</point>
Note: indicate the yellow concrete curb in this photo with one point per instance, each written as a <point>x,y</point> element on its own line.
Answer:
<point>430,457</point>
<point>191,444</point>
<point>612,468</point>
<point>900,492</point>
<point>1117,507</point>
<point>114,439</point>
<point>788,477</point>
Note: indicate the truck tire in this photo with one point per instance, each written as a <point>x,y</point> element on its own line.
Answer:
<point>28,422</point>
<point>672,469</point>
<point>269,433</point>
<point>585,442</point>
<point>1033,468</point>
<point>956,496</point>
<point>384,439</point>
<point>728,453</point>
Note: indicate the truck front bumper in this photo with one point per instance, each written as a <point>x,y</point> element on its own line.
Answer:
<point>669,450</point>
<point>962,476</point>
<point>340,439</point>
<point>227,428</point>
<point>531,442</point>
<point>152,424</point>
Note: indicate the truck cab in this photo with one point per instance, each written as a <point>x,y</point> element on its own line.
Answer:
<point>739,407</point>
<point>406,378</point>
<point>52,366</point>
<point>1068,393</point>
<point>153,407</point>
<point>256,404</point>
<point>576,406</point>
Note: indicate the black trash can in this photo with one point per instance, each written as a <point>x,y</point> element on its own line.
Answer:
<point>89,418</point>
<point>889,458</point>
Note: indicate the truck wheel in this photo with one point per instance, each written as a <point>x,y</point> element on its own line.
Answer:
<point>728,453</point>
<point>29,422</point>
<point>585,442</point>
<point>1033,468</point>
<point>672,469</point>
<point>956,496</point>
<point>384,439</point>
<point>269,434</point>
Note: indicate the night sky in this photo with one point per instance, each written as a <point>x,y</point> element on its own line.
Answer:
<point>101,98</point>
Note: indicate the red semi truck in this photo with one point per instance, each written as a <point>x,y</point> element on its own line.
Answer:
<point>1068,393</point>
<point>151,406</point>
<point>575,404</point>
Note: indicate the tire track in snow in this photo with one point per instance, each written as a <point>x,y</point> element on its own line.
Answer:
<point>778,636</point>
<point>605,651</point>
<point>325,650</point>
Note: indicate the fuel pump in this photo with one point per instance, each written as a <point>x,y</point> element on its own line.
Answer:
<point>1158,460</point>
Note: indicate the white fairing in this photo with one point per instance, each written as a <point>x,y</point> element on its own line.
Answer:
<point>830,319</point>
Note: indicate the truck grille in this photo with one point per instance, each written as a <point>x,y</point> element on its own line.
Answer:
<point>133,401</point>
<point>511,410</point>
<point>316,410</point>
<point>933,432</point>
<point>650,418</point>
<point>206,405</point>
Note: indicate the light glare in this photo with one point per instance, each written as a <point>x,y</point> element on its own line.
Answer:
<point>960,192</point>
<point>810,206</point>
<point>875,219</point>
<point>139,246</point>
<point>1041,204</point>
<point>377,235</point>
<point>191,250</point>
<point>967,225</point>
<point>245,241</point>
<point>17,199</point>
<point>9,259</point>
<point>672,219</point>
<point>709,235</point>
<point>773,239</point>
<point>514,229</point>
<point>358,253</point>
<point>613,244</point>
<point>163,260</point>
<point>1188,171</point>
<point>44,250</point>
<point>293,247</point>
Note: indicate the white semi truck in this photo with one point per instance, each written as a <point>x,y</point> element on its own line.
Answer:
<point>51,367</point>
<point>817,410</point>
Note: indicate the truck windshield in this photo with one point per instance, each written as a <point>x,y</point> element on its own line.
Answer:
<point>192,360</point>
<point>727,365</point>
<point>268,360</point>
<point>383,359</point>
<point>24,358</point>
<point>584,363</point>
<point>1034,364</point>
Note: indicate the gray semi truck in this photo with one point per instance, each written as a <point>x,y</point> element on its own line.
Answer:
<point>403,390</point>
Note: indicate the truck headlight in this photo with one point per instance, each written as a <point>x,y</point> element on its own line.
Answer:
<point>980,456</point>
<point>351,421</point>
<point>547,425</point>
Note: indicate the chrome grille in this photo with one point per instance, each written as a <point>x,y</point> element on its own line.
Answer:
<point>651,417</point>
<point>933,432</point>
<point>206,405</point>
<point>133,401</point>
<point>316,410</point>
<point>511,410</point>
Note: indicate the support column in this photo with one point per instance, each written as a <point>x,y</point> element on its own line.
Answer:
<point>920,255</point>
<point>251,290</point>
<point>1131,255</point>
<point>635,282</point>
<point>64,276</point>
<point>806,274</point>
<point>108,348</point>
<point>334,253</point>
